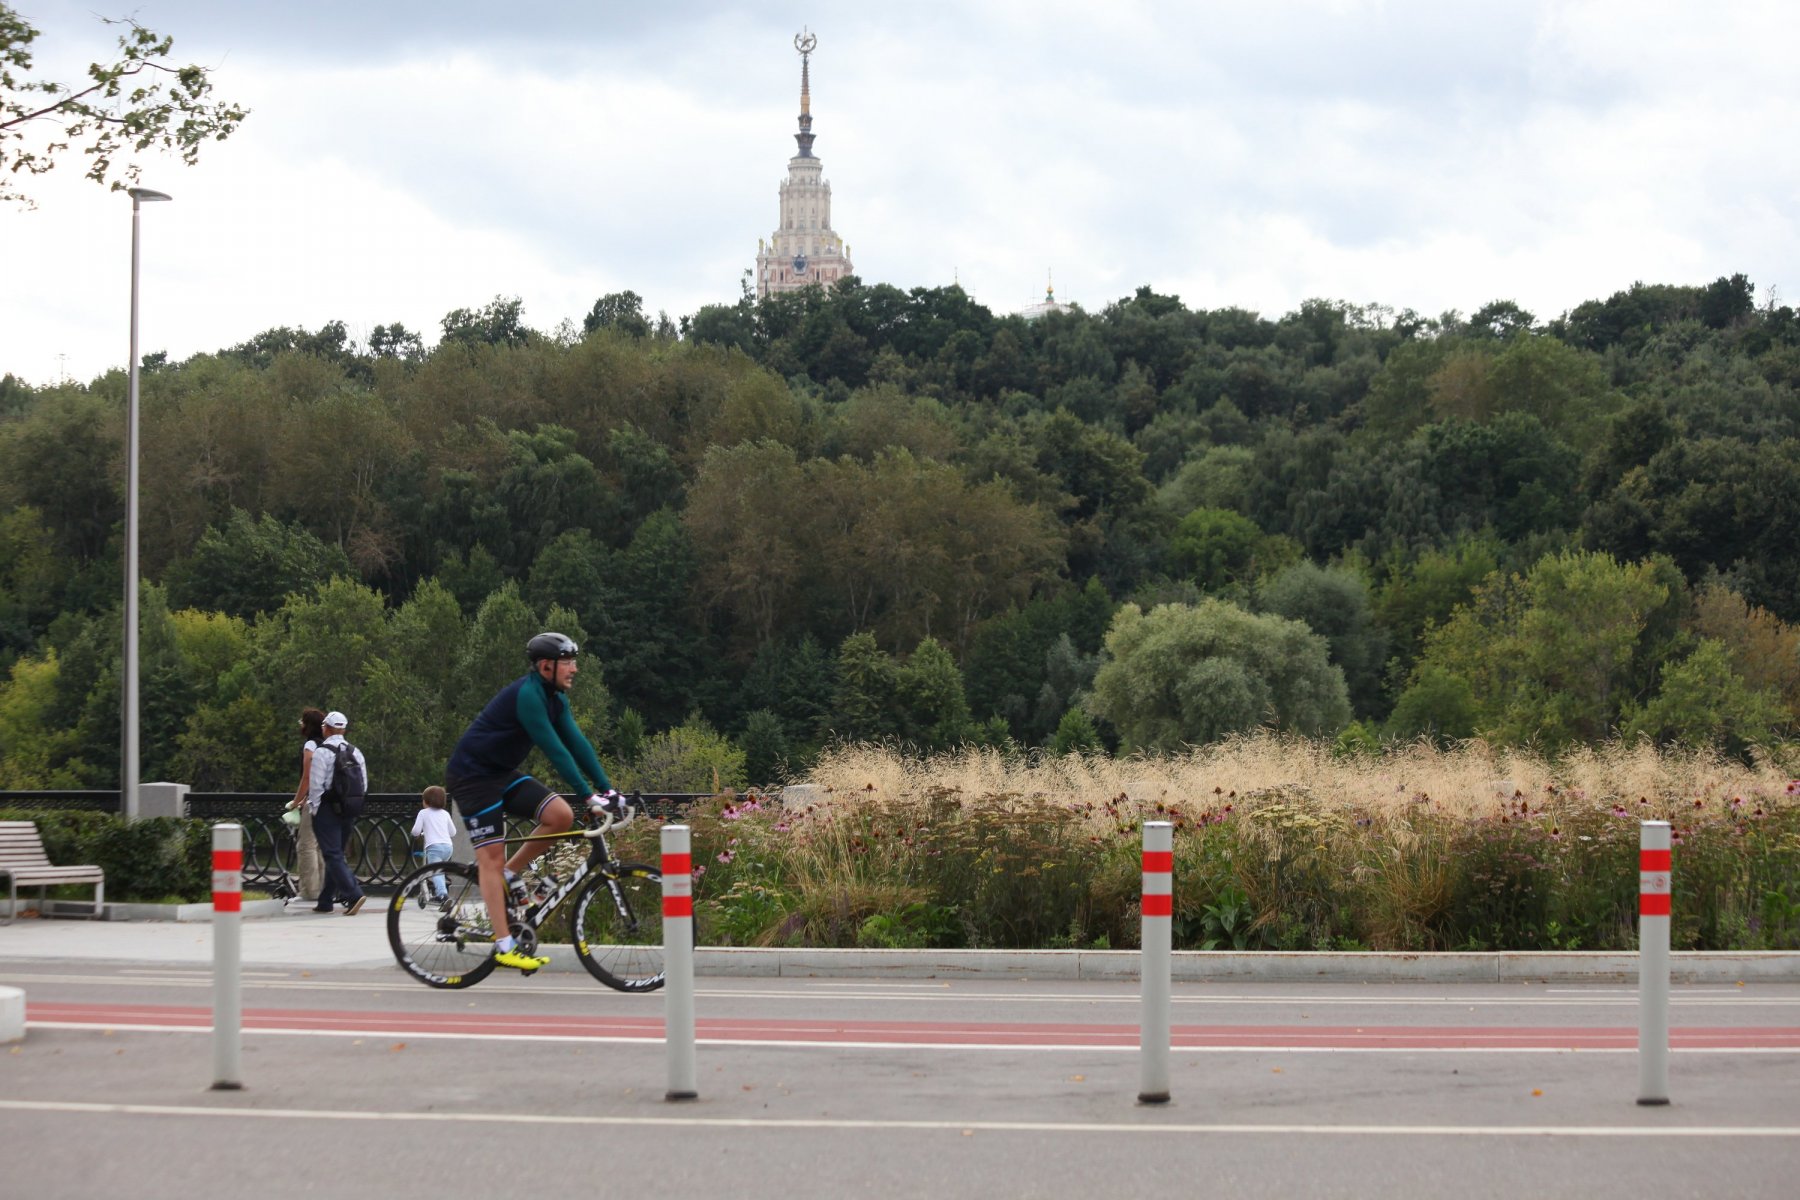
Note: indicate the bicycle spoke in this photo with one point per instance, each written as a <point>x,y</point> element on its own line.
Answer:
<point>444,942</point>
<point>618,929</point>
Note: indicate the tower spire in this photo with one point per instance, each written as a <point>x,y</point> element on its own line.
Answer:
<point>804,41</point>
<point>805,250</point>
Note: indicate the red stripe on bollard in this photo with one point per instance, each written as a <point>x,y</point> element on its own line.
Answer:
<point>678,906</point>
<point>1656,860</point>
<point>228,902</point>
<point>228,860</point>
<point>677,864</point>
<point>1159,862</point>
<point>1159,905</point>
<point>1655,904</point>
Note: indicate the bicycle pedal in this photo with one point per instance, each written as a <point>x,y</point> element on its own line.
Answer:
<point>532,971</point>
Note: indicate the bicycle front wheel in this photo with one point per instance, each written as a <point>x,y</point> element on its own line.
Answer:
<point>619,929</point>
<point>447,942</point>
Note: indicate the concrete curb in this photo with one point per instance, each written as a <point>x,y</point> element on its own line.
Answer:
<point>1191,966</point>
<point>80,909</point>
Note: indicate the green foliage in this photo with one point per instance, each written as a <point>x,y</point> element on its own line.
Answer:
<point>1334,603</point>
<point>929,692</point>
<point>250,566</point>
<point>1075,734</point>
<point>1418,596</point>
<point>623,311</point>
<point>1438,704</point>
<point>692,757</point>
<point>499,323</point>
<point>138,102</point>
<point>1013,657</point>
<point>718,513</point>
<point>1704,702</point>
<point>1214,547</point>
<point>34,752</point>
<point>1182,675</point>
<point>1550,657</point>
<point>147,861</point>
<point>865,704</point>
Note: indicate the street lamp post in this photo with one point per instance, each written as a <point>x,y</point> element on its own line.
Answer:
<point>128,766</point>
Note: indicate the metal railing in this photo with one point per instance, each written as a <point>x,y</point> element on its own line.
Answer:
<point>63,800</point>
<point>380,847</point>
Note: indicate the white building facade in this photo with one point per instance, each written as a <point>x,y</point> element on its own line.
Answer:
<point>805,249</point>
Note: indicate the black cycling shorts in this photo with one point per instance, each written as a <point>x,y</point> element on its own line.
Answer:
<point>485,803</point>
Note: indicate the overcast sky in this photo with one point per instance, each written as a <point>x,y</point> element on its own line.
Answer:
<point>404,158</point>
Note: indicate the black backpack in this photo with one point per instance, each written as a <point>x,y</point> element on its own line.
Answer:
<point>349,786</point>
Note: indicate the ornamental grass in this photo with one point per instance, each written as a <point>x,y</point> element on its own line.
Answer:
<point>1280,844</point>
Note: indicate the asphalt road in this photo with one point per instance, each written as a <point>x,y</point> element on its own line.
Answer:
<point>364,1082</point>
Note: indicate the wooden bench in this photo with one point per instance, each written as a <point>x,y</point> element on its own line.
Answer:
<point>22,860</point>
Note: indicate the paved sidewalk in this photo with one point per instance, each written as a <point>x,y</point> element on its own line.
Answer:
<point>301,938</point>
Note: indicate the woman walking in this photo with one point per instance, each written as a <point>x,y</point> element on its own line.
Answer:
<point>308,864</point>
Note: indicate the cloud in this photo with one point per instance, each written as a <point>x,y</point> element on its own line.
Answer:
<point>1407,153</point>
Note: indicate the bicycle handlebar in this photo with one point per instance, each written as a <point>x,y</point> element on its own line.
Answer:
<point>608,821</point>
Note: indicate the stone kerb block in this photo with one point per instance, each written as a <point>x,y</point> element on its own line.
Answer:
<point>160,800</point>
<point>802,794</point>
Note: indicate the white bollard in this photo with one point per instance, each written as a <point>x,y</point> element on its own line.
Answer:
<point>678,961</point>
<point>1158,918</point>
<point>1655,902</point>
<point>228,916</point>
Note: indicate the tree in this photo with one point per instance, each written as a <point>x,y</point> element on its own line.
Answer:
<point>1334,603</point>
<point>140,102</point>
<point>34,748</point>
<point>1555,656</point>
<point>1413,599</point>
<point>646,627</point>
<point>52,459</point>
<point>866,697</point>
<point>1183,675</point>
<point>248,566</point>
<point>1502,320</point>
<point>692,757</point>
<point>623,311</point>
<point>765,748</point>
<point>546,488</point>
<point>499,323</point>
<point>1214,547</point>
<point>1764,649</point>
<point>396,341</point>
<point>1438,704</point>
<point>317,646</point>
<point>930,692</point>
<point>1703,702</point>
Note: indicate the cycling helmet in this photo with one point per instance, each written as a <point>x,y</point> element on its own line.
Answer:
<point>551,645</point>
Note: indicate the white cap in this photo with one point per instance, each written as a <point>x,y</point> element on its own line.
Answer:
<point>336,720</point>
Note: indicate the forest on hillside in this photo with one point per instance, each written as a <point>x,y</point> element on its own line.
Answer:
<point>877,515</point>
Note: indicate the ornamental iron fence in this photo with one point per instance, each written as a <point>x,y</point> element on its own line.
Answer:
<point>380,845</point>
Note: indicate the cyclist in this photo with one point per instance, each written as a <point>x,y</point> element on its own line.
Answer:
<point>484,779</point>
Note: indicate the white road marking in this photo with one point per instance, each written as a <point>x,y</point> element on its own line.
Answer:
<point>876,1124</point>
<point>1127,1044</point>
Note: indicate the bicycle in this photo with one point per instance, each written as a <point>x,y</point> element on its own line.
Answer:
<point>616,918</point>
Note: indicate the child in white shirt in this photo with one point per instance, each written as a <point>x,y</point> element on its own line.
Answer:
<point>437,829</point>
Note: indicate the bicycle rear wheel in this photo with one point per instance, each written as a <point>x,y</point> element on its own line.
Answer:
<point>618,928</point>
<point>446,943</point>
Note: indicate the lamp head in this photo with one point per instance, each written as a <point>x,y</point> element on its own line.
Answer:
<point>137,194</point>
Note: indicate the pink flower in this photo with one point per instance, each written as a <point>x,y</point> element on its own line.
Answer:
<point>725,856</point>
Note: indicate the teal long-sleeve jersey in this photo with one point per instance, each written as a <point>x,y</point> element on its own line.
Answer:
<point>528,712</point>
